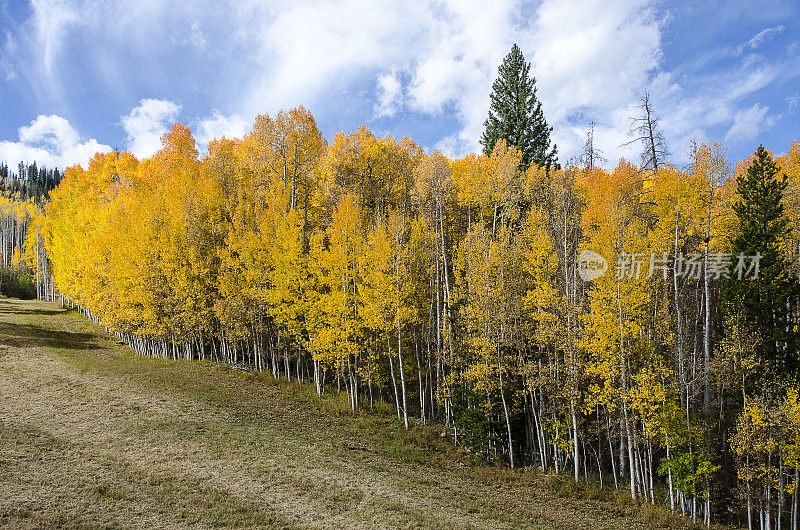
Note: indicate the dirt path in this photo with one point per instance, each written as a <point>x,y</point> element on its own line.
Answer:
<point>92,435</point>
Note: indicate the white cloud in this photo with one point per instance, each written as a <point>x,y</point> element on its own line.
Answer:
<point>390,94</point>
<point>589,58</point>
<point>765,35</point>
<point>305,50</point>
<point>53,19</point>
<point>195,38</point>
<point>699,104</point>
<point>217,126</point>
<point>52,131</point>
<point>146,123</point>
<point>50,141</point>
<point>455,71</point>
<point>592,61</point>
<point>6,64</point>
<point>748,123</point>
<point>594,54</point>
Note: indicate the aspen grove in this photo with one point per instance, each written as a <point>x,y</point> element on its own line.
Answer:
<point>451,289</point>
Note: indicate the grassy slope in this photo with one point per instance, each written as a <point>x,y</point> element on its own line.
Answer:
<point>93,435</point>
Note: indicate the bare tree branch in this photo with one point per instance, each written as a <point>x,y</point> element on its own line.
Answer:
<point>645,128</point>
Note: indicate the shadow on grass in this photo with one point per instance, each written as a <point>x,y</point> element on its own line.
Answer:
<point>41,312</point>
<point>28,335</point>
<point>10,308</point>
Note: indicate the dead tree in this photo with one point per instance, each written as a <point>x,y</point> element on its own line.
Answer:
<point>645,128</point>
<point>591,155</point>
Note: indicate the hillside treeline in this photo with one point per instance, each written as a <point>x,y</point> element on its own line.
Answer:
<point>453,290</point>
<point>30,182</point>
<point>22,196</point>
<point>18,219</point>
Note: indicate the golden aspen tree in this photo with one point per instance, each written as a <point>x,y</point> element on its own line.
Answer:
<point>434,195</point>
<point>336,320</point>
<point>615,224</point>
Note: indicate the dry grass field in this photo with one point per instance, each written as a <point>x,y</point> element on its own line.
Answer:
<point>92,435</point>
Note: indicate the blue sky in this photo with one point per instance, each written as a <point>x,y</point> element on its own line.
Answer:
<point>78,77</point>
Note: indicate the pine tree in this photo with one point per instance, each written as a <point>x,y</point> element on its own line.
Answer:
<point>762,231</point>
<point>516,114</point>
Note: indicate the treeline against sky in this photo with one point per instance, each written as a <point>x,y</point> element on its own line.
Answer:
<point>31,182</point>
<point>451,289</point>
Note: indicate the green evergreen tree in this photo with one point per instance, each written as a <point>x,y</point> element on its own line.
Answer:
<point>516,114</point>
<point>768,301</point>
